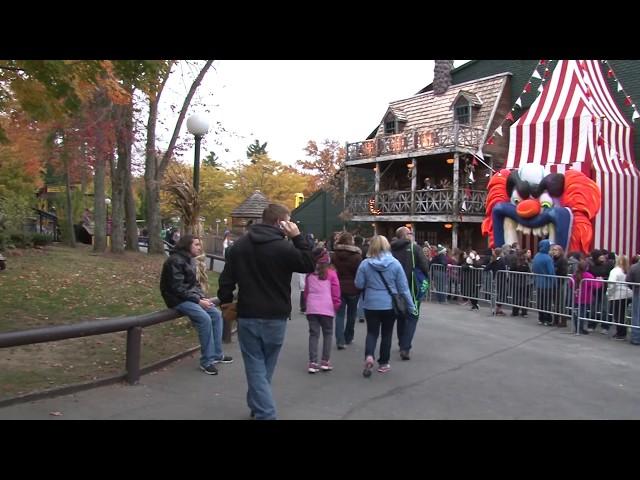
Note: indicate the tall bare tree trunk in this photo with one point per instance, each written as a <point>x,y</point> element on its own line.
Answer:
<point>154,167</point>
<point>117,204</point>
<point>99,210</point>
<point>131,231</point>
<point>71,241</point>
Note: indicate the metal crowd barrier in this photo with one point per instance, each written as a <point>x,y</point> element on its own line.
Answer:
<point>471,283</point>
<point>606,303</point>
<point>555,298</point>
<point>549,295</point>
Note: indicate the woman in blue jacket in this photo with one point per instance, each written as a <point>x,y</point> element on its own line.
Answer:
<point>378,308</point>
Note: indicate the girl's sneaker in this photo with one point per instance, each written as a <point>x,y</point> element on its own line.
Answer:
<point>325,365</point>
<point>313,367</point>
<point>368,366</point>
<point>384,368</point>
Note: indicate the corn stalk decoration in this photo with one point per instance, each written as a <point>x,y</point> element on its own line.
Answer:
<point>185,200</point>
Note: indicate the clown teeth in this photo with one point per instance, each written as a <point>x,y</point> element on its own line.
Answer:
<point>519,228</point>
<point>510,234</point>
<point>552,233</point>
<point>537,232</point>
<point>526,230</point>
<point>545,230</point>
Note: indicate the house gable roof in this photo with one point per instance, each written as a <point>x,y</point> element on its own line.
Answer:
<point>427,110</point>
<point>472,98</point>
<point>252,207</point>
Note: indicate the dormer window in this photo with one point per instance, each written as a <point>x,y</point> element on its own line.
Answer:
<point>464,105</point>
<point>390,127</point>
<point>462,114</point>
<point>394,121</point>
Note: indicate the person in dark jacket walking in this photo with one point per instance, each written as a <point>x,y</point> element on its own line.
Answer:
<point>261,263</point>
<point>409,254</point>
<point>180,290</point>
<point>346,258</point>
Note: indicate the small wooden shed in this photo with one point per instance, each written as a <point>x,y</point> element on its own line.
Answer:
<point>249,211</point>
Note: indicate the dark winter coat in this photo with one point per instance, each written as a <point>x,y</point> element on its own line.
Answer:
<point>401,250</point>
<point>346,259</point>
<point>178,282</point>
<point>260,263</point>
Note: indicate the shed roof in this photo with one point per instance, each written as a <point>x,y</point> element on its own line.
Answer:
<point>252,207</point>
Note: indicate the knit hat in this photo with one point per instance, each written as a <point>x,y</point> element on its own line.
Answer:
<point>320,255</point>
<point>442,249</point>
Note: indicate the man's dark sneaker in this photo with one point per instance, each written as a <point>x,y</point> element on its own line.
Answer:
<point>361,320</point>
<point>404,355</point>
<point>225,359</point>
<point>340,347</point>
<point>210,369</point>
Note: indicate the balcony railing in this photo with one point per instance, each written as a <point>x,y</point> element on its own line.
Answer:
<point>435,202</point>
<point>440,136</point>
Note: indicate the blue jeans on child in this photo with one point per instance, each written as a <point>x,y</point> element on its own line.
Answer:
<point>208,323</point>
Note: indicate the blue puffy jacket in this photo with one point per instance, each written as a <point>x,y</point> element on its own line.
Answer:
<point>543,264</point>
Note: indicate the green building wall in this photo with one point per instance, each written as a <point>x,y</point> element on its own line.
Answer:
<point>319,215</point>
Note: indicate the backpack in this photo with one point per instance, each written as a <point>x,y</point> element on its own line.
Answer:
<point>419,281</point>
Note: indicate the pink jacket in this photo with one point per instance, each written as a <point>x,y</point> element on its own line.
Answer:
<point>584,295</point>
<point>322,296</point>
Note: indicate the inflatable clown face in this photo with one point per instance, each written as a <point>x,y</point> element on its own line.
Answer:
<point>554,206</point>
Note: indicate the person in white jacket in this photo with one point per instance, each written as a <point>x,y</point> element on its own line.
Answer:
<point>619,295</point>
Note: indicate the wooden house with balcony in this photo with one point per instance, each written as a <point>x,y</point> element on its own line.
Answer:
<point>419,167</point>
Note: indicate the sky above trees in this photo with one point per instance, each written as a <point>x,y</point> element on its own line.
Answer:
<point>289,102</point>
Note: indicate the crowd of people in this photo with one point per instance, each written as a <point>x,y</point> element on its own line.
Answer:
<point>379,282</point>
<point>601,300</point>
<point>338,281</point>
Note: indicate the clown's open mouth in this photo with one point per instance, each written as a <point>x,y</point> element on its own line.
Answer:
<point>554,223</point>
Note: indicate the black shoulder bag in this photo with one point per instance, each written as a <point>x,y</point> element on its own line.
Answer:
<point>400,307</point>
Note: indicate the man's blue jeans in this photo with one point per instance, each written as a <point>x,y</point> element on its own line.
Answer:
<point>406,329</point>
<point>260,342</point>
<point>208,323</point>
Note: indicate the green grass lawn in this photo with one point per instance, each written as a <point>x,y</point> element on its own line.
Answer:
<point>60,285</point>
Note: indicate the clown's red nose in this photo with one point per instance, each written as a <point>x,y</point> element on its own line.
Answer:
<point>528,208</point>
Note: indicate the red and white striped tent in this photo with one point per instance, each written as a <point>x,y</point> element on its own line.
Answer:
<point>575,124</point>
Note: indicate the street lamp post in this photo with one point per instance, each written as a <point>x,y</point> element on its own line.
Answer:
<point>198,126</point>
<point>217,226</point>
<point>107,202</point>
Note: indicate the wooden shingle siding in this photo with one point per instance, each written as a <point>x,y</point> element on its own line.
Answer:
<point>427,110</point>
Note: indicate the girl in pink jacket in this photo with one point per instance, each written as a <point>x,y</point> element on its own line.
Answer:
<point>322,297</point>
<point>583,295</point>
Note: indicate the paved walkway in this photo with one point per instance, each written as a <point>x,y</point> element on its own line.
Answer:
<point>465,365</point>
